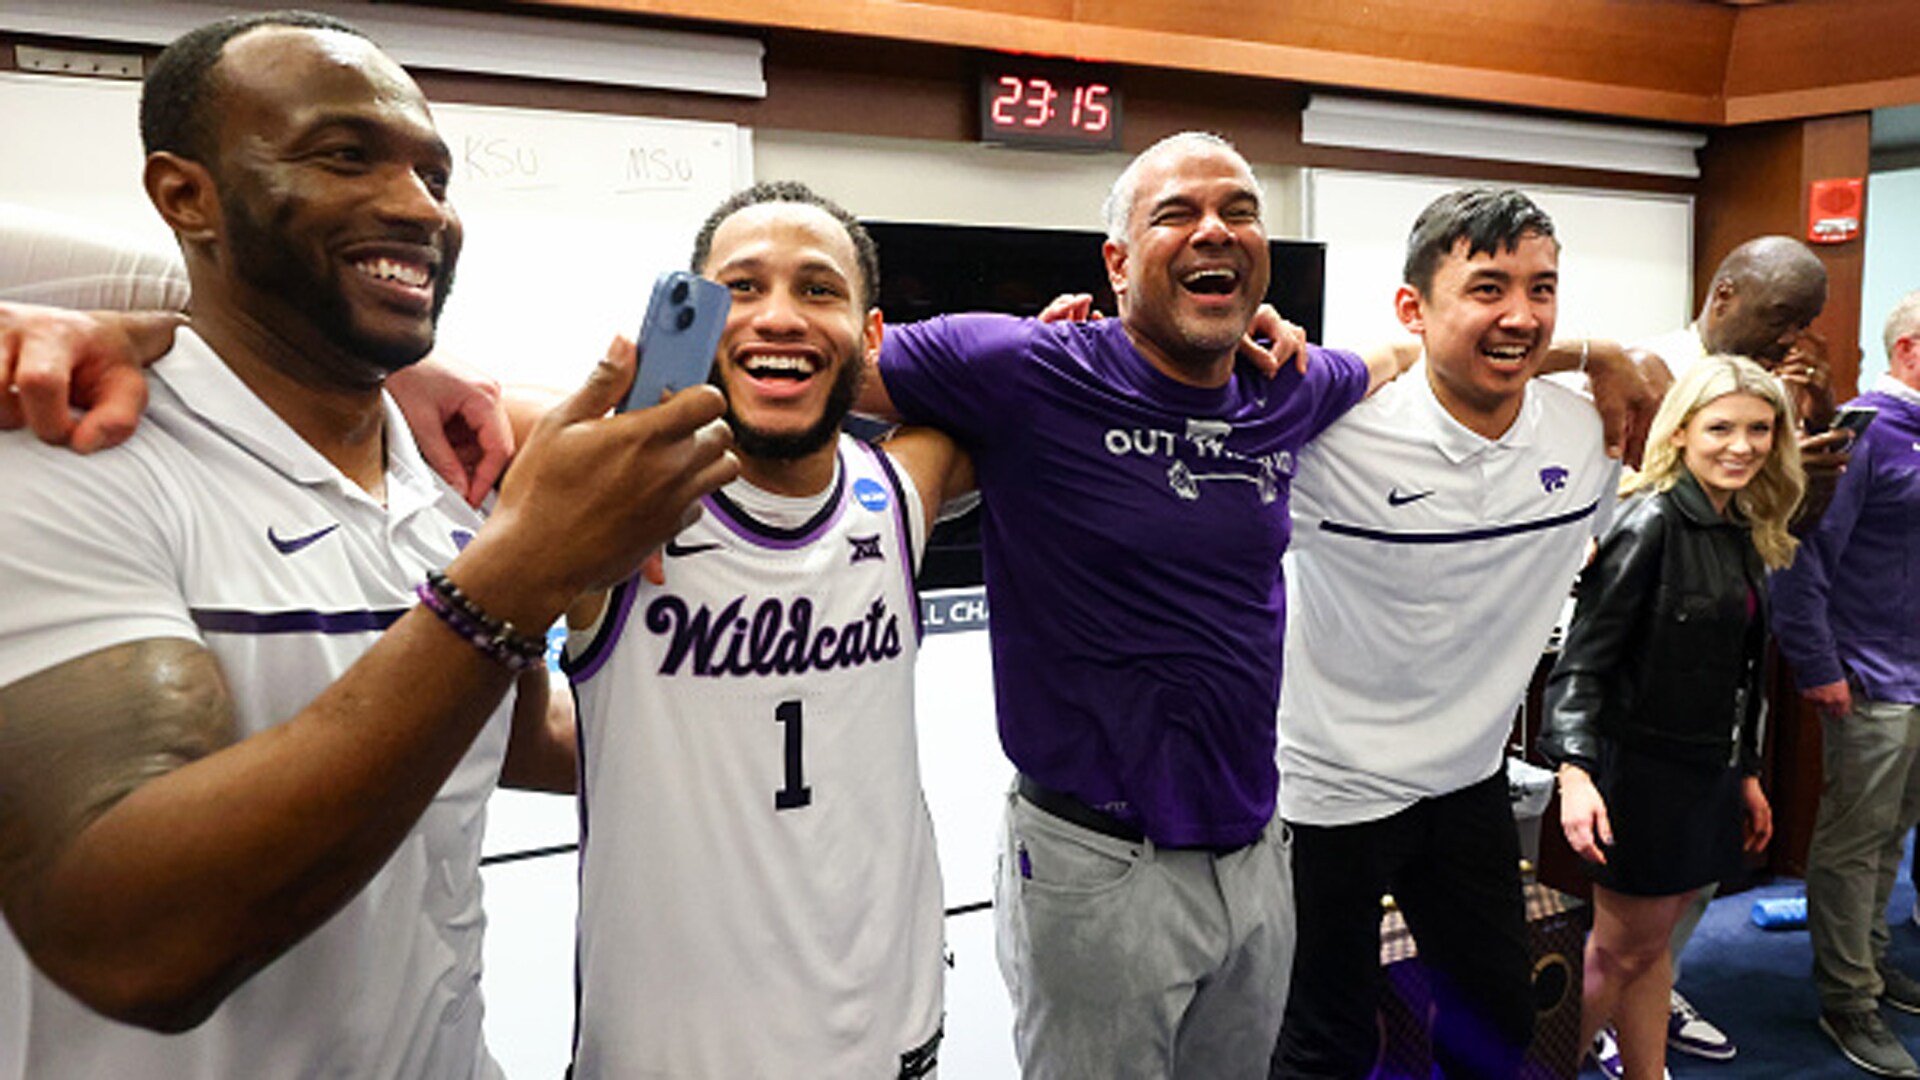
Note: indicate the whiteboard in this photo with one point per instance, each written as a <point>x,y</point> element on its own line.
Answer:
<point>1626,258</point>
<point>72,147</point>
<point>568,215</point>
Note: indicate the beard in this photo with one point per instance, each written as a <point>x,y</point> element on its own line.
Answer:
<point>791,446</point>
<point>264,257</point>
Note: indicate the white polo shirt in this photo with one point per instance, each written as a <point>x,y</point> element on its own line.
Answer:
<point>1679,349</point>
<point>216,523</point>
<point>1426,569</point>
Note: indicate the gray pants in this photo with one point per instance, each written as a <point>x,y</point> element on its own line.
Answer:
<point>1869,800</point>
<point>1128,960</point>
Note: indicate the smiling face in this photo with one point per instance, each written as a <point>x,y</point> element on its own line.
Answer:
<point>1486,321</point>
<point>1725,443</point>
<point>1195,264</point>
<point>333,194</point>
<point>798,335</point>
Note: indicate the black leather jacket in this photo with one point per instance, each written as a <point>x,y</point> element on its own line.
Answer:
<point>1665,650</point>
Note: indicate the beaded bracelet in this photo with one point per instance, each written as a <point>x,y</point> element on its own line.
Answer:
<point>499,640</point>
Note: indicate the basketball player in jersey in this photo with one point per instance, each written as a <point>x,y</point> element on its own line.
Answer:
<point>759,891</point>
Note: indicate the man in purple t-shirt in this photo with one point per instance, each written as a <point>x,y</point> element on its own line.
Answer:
<point>1135,484</point>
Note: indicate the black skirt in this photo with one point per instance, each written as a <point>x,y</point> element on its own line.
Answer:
<point>1677,825</point>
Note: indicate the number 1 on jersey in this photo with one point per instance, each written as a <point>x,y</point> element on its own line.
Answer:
<point>795,793</point>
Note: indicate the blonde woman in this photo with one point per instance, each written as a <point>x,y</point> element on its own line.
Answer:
<point>1653,706</point>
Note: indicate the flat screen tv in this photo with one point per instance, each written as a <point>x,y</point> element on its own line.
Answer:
<point>928,270</point>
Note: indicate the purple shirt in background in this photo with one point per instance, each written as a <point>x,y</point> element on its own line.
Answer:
<point>1850,603</point>
<point>1132,533</point>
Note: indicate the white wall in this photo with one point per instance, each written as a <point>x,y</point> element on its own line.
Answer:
<point>1892,261</point>
<point>1625,260</point>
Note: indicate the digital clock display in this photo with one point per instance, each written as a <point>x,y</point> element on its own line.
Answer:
<point>1056,104</point>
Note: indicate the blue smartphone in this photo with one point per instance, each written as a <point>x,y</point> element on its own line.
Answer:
<point>678,336</point>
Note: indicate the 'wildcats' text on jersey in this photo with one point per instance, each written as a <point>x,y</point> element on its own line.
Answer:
<point>759,890</point>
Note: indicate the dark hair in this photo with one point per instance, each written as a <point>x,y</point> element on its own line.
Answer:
<point>1488,219</point>
<point>793,191</point>
<point>181,95</point>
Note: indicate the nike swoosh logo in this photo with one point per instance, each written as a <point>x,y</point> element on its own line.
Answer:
<point>288,547</point>
<point>675,549</point>
<point>1394,498</point>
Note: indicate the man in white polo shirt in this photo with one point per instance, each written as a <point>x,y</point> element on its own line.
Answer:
<point>245,749</point>
<point>1437,527</point>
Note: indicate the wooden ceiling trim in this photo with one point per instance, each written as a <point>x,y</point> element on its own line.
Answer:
<point>1815,44</point>
<point>1849,97</point>
<point>1672,61</point>
<point>998,30</point>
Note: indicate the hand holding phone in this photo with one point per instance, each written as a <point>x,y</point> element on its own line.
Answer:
<point>678,336</point>
<point>1854,418</point>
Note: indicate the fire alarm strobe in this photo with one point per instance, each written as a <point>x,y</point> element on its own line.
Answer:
<point>1833,211</point>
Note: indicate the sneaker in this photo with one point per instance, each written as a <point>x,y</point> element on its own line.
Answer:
<point>1606,1054</point>
<point>1691,1033</point>
<point>1899,989</point>
<point>1863,1039</point>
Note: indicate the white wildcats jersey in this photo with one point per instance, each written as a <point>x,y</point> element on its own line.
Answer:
<point>759,892</point>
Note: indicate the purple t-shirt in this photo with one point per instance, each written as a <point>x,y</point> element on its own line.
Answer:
<point>1132,533</point>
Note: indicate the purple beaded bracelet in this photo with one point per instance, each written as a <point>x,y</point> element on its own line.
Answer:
<point>500,641</point>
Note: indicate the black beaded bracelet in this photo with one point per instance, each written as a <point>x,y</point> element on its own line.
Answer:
<point>499,640</point>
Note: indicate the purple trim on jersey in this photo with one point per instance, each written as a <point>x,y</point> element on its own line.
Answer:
<point>759,533</point>
<point>906,534</point>
<point>620,605</point>
<point>580,863</point>
<point>233,621</point>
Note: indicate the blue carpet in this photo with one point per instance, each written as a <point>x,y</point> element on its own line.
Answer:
<point>1757,986</point>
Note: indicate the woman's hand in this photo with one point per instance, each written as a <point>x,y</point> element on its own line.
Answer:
<point>1583,815</point>
<point>1759,814</point>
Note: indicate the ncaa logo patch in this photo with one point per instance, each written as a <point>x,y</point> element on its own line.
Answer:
<point>871,493</point>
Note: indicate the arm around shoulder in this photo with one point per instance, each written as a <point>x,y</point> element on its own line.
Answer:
<point>940,470</point>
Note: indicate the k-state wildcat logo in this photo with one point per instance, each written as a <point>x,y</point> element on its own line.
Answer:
<point>1553,478</point>
<point>778,639</point>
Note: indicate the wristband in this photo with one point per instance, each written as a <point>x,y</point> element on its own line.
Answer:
<point>499,640</point>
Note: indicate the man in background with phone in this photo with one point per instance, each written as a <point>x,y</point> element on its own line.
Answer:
<point>759,889</point>
<point>1761,305</point>
<point>1845,615</point>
